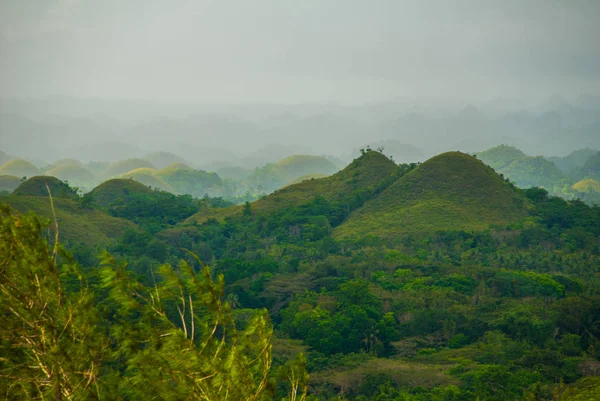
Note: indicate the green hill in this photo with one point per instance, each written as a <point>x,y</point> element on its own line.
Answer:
<point>148,177</point>
<point>591,168</point>
<point>589,185</point>
<point>117,190</point>
<point>19,168</point>
<point>65,162</point>
<point>163,159</point>
<point>121,167</point>
<point>306,178</point>
<point>573,160</point>
<point>533,172</point>
<point>296,166</point>
<point>364,172</point>
<point>452,191</point>
<point>523,170</point>
<point>75,223</point>
<point>500,156</point>
<point>185,180</point>
<point>9,182</point>
<point>74,173</point>
<point>39,185</point>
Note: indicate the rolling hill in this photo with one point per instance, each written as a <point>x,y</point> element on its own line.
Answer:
<point>148,176</point>
<point>19,168</point>
<point>39,185</point>
<point>121,167</point>
<point>75,224</point>
<point>117,190</point>
<point>364,172</point>
<point>525,171</point>
<point>76,174</point>
<point>589,185</point>
<point>292,167</point>
<point>573,160</point>
<point>452,191</point>
<point>591,168</point>
<point>163,159</point>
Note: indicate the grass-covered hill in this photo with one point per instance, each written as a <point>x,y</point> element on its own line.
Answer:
<point>363,173</point>
<point>148,176</point>
<point>573,160</point>
<point>163,159</point>
<point>121,167</point>
<point>306,178</point>
<point>450,192</point>
<point>533,172</point>
<point>591,168</point>
<point>589,185</point>
<point>185,180</point>
<point>9,182</point>
<point>75,223</point>
<point>39,185</point>
<point>117,190</point>
<point>19,168</point>
<point>64,162</point>
<point>74,173</point>
<point>501,156</point>
<point>296,166</point>
<point>525,171</point>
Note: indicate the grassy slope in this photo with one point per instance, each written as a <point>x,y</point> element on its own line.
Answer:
<point>117,190</point>
<point>19,168</point>
<point>72,172</point>
<point>452,191</point>
<point>123,166</point>
<point>362,173</point>
<point>39,185</point>
<point>74,223</point>
<point>501,156</point>
<point>587,185</point>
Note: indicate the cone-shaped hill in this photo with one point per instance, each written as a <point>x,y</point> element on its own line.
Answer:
<point>39,185</point>
<point>452,191</point>
<point>148,177</point>
<point>124,166</point>
<point>19,168</point>
<point>590,185</point>
<point>117,190</point>
<point>74,173</point>
<point>363,173</point>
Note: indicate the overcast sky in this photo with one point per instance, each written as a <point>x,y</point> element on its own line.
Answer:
<point>344,51</point>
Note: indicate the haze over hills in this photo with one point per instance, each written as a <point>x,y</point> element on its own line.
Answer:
<point>242,137</point>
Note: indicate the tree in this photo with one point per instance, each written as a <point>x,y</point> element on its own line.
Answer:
<point>65,339</point>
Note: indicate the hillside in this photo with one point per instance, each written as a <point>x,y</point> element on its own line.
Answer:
<point>452,191</point>
<point>163,159</point>
<point>523,170</point>
<point>306,178</point>
<point>185,180</point>
<point>296,166</point>
<point>589,185</point>
<point>533,172</point>
<point>9,182</point>
<point>39,185</point>
<point>117,190</point>
<point>591,168</point>
<point>75,224</point>
<point>364,172</point>
<point>76,174</point>
<point>121,167</point>
<point>573,160</point>
<point>19,168</point>
<point>148,177</point>
<point>500,156</point>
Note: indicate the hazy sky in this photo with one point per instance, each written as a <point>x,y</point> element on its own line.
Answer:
<point>346,51</point>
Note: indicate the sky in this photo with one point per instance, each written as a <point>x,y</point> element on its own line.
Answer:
<point>291,51</point>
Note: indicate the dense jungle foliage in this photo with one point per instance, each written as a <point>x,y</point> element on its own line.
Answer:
<point>290,310</point>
